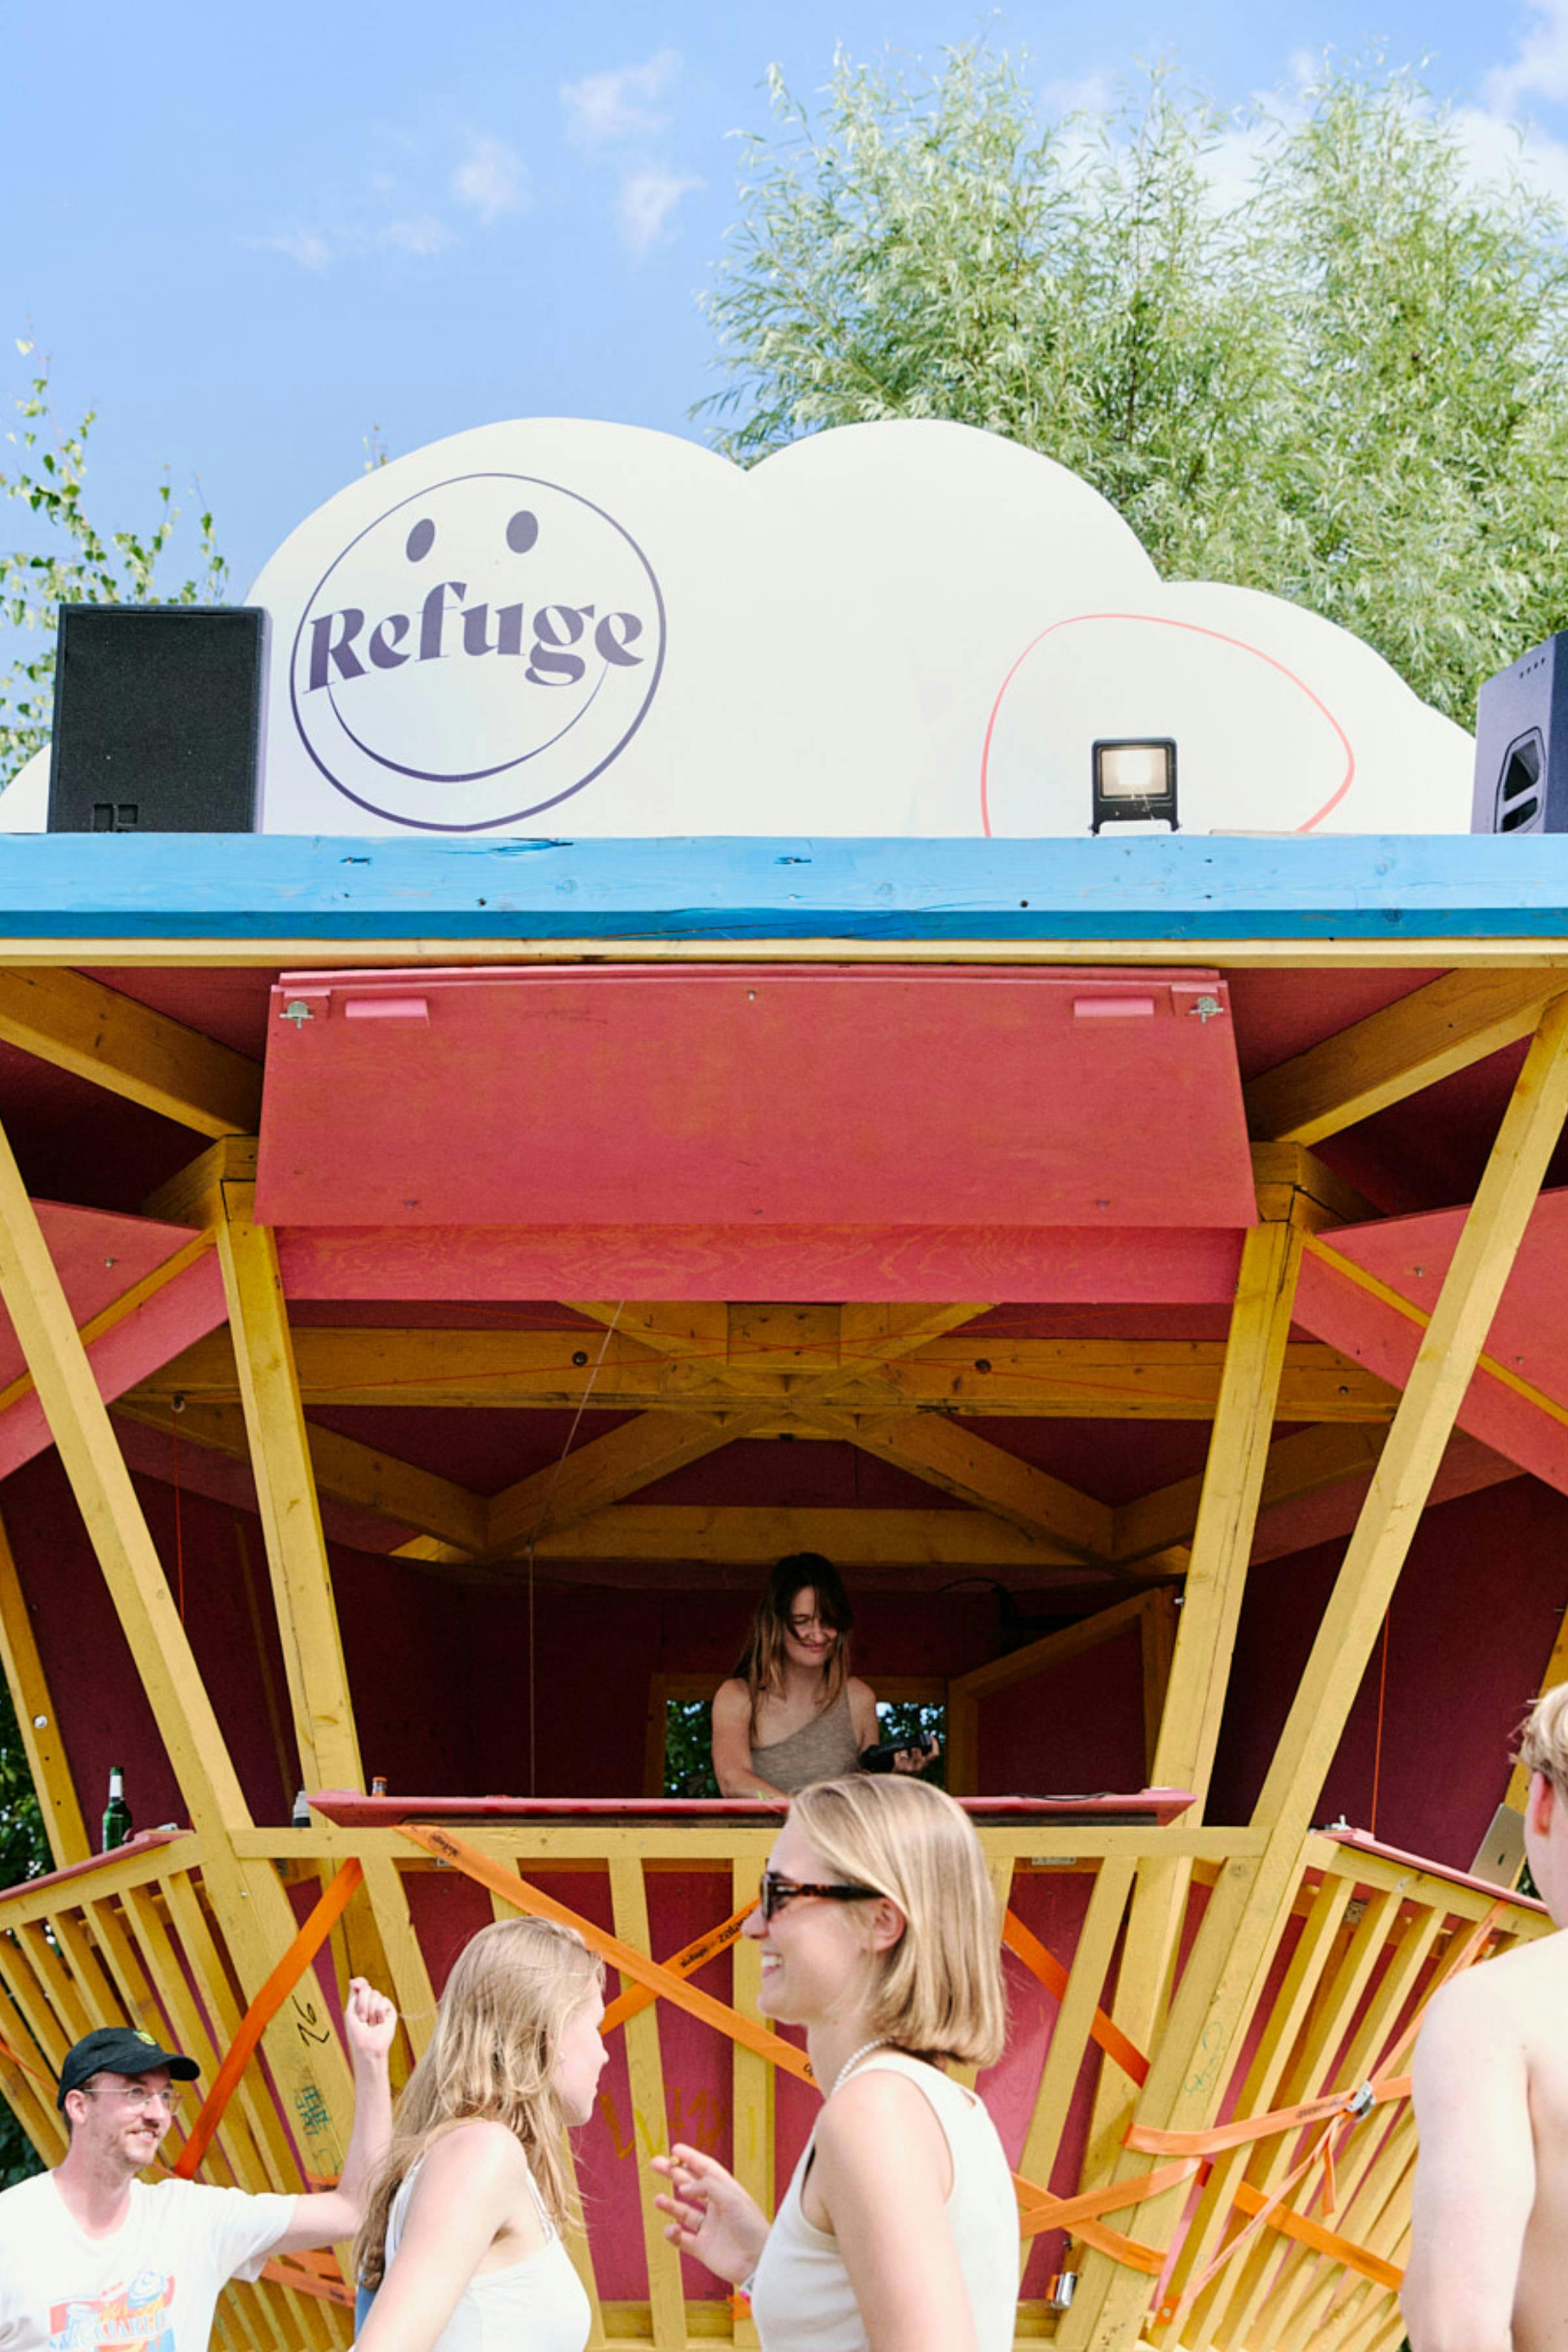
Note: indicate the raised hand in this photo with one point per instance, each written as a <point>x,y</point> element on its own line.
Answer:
<point>712,2216</point>
<point>370,2022</point>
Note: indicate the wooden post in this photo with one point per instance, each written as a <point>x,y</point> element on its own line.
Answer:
<point>1205,1637</point>
<point>291,1513</point>
<point>1224,1976</point>
<point>258,1919</point>
<point>35,1711</point>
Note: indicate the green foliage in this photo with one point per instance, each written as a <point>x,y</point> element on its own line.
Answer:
<point>24,1851</point>
<point>689,1740</point>
<point>69,561</point>
<point>1345,385</point>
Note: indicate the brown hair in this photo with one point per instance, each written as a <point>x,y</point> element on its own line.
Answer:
<point>940,1993</point>
<point>1544,1738</point>
<point>761,1662</point>
<point>492,2056</point>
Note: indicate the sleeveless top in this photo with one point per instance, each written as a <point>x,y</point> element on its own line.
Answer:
<point>538,2301</point>
<point>802,2300</point>
<point>825,1748</point>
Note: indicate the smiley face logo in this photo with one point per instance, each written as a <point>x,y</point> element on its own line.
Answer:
<point>479,652</point>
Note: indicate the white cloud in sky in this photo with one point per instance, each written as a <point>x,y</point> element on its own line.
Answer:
<point>1540,67</point>
<point>490,179</point>
<point>423,235</point>
<point>606,107</point>
<point>646,203</point>
<point>307,247</point>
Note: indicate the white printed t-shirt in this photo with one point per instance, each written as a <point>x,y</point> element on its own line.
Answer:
<point>148,2287</point>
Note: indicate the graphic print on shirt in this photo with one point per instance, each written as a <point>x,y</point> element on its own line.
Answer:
<point>136,2316</point>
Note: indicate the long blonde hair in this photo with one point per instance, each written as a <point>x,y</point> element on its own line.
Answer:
<point>938,1991</point>
<point>761,1662</point>
<point>492,2056</point>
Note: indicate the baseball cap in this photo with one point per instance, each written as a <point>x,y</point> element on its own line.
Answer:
<point>119,2050</point>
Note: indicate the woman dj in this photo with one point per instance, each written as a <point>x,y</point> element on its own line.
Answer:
<point>793,1713</point>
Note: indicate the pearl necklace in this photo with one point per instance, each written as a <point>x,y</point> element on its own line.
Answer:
<point>854,2060</point>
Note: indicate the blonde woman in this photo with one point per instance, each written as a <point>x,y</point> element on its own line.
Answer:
<point>792,1712</point>
<point>900,2230</point>
<point>462,2240</point>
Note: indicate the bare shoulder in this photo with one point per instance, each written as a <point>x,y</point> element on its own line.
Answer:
<point>875,2104</point>
<point>732,1699</point>
<point>1498,2010</point>
<point>860,1690</point>
<point>477,2154</point>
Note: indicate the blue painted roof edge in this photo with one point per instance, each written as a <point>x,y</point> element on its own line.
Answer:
<point>1185,887</point>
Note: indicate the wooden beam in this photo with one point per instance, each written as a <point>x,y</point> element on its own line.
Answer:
<point>1171,1379</point>
<point>1228,1967</point>
<point>77,1024</point>
<point>36,1719</point>
<point>78,1420</point>
<point>1428,1035</point>
<point>1303,1464</point>
<point>135,1294</point>
<point>1052,1649</point>
<point>193,1195</point>
<point>604,1470</point>
<point>290,1514</point>
<point>743,1535</point>
<point>344,1469</point>
<point>979,1473</point>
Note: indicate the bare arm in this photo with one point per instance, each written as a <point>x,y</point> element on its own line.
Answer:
<point>711,2217</point>
<point>891,2220</point>
<point>1475,2175</point>
<point>331,2215</point>
<point>469,2184</point>
<point>732,1744</point>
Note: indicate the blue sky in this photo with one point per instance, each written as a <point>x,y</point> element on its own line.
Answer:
<point>249,235</point>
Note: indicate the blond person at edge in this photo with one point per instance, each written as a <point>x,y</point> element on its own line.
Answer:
<point>463,2238</point>
<point>899,2230</point>
<point>116,2255</point>
<point>793,1713</point>
<point>1489,2255</point>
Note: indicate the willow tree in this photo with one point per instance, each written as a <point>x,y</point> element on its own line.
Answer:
<point>1309,354</point>
<point>69,554</point>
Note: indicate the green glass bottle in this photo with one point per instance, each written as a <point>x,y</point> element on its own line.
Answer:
<point>117,1822</point>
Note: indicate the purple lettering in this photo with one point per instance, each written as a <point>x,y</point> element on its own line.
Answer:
<point>432,613</point>
<point>325,649</point>
<point>474,639</point>
<point>386,637</point>
<point>615,648</point>
<point>509,629</point>
<point>548,665</point>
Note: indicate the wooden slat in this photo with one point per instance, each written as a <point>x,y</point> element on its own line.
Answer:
<point>77,1025</point>
<point>1410,1044</point>
<point>753,2082</point>
<point>650,2130</point>
<point>605,1469</point>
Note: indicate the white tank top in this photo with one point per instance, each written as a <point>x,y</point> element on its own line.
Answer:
<point>802,2300</point>
<point>538,2303</point>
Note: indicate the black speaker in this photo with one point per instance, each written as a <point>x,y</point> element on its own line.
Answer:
<point>157,719</point>
<point>1522,744</point>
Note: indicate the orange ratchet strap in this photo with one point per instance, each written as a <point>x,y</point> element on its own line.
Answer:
<point>311,2273</point>
<point>16,2059</point>
<point>684,1963</point>
<point>1054,1976</point>
<point>313,1934</point>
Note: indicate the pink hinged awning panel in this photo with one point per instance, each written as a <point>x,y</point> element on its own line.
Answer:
<point>1151,1265</point>
<point>1528,1339</point>
<point>730,1097</point>
<point>100,1256</point>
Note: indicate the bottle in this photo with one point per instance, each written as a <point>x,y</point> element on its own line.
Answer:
<point>300,1817</point>
<point>117,1823</point>
<point>378,1786</point>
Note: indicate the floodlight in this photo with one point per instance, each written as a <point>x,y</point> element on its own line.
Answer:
<point>1134,777</point>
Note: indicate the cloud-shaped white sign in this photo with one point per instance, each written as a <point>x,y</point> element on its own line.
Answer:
<point>907,628</point>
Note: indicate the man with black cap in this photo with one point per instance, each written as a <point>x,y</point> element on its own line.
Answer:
<point>94,2260</point>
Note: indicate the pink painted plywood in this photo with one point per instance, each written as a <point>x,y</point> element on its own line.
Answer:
<point>1529,1335</point>
<point>881,1097</point>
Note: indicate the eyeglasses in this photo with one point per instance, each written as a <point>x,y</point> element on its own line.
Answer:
<point>137,2096</point>
<point>776,1892</point>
